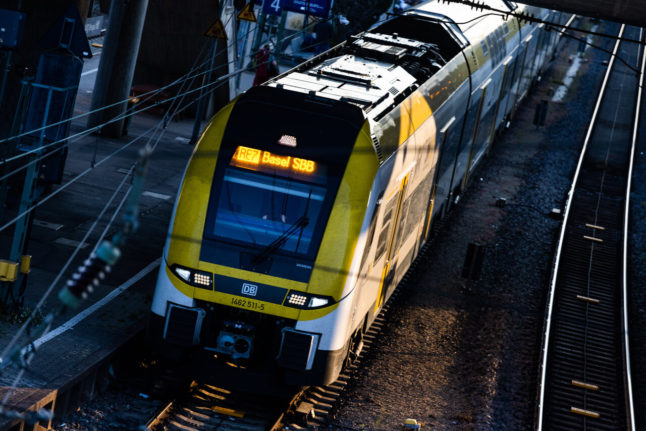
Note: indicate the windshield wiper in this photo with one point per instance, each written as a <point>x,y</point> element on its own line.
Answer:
<point>281,240</point>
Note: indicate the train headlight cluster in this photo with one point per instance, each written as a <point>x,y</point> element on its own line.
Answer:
<point>193,276</point>
<point>296,299</point>
<point>307,301</point>
<point>316,302</point>
<point>202,279</point>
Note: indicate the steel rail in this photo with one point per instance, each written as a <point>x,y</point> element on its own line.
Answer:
<point>557,258</point>
<point>621,397</point>
<point>624,276</point>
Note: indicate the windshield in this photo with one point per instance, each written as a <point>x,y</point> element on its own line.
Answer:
<point>258,209</point>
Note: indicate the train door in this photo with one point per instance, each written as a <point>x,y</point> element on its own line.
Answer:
<point>522,72</point>
<point>443,144</point>
<point>502,97</point>
<point>512,83</point>
<point>391,227</point>
<point>479,99</point>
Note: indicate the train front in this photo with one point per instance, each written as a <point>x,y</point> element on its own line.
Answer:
<point>262,238</point>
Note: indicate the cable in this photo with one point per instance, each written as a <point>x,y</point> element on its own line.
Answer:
<point>64,268</point>
<point>73,138</point>
<point>87,131</point>
<point>53,284</point>
<point>117,151</point>
<point>522,16</point>
<point>146,96</point>
<point>68,141</point>
<point>58,123</point>
<point>89,274</point>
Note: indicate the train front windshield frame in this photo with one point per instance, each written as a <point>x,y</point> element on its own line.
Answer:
<point>268,210</point>
<point>287,166</point>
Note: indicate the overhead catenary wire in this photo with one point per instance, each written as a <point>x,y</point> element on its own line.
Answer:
<point>146,96</point>
<point>220,81</point>
<point>521,16</point>
<point>215,84</point>
<point>66,142</point>
<point>48,291</point>
<point>77,249</point>
<point>29,351</point>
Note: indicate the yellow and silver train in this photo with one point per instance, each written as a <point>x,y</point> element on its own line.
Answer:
<point>307,198</point>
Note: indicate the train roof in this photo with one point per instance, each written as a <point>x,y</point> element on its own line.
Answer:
<point>372,70</point>
<point>377,69</point>
<point>470,21</point>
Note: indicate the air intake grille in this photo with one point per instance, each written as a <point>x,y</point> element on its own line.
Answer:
<point>377,145</point>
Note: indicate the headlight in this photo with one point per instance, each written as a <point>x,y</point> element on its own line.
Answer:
<point>184,274</point>
<point>193,277</point>
<point>316,302</point>
<point>307,301</point>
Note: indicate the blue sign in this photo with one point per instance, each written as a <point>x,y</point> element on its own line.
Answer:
<point>319,8</point>
<point>273,7</point>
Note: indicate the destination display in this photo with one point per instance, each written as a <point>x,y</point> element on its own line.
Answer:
<point>252,158</point>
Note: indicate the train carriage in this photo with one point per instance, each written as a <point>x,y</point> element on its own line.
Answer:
<point>307,198</point>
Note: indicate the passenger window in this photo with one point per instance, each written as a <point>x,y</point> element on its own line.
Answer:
<point>383,238</point>
<point>385,228</point>
<point>371,231</point>
<point>503,43</point>
<point>402,223</point>
<point>485,50</point>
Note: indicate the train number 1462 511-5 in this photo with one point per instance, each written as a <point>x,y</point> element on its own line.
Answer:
<point>245,303</point>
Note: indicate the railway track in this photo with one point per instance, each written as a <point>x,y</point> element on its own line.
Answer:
<point>585,379</point>
<point>207,407</point>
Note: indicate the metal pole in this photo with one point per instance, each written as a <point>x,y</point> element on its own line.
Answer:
<point>241,52</point>
<point>106,64</point>
<point>279,34</point>
<point>117,65</point>
<point>260,28</point>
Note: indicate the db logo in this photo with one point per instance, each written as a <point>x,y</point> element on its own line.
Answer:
<point>249,289</point>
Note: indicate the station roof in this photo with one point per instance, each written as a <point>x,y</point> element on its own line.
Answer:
<point>625,11</point>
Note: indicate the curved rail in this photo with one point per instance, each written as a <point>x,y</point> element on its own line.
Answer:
<point>559,279</point>
<point>624,276</point>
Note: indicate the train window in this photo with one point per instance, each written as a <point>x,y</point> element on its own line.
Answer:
<point>505,28</point>
<point>502,42</point>
<point>485,50</point>
<point>259,209</point>
<point>371,230</point>
<point>383,239</point>
<point>385,227</point>
<point>403,221</point>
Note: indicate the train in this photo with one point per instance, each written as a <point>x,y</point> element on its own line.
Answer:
<point>307,198</point>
